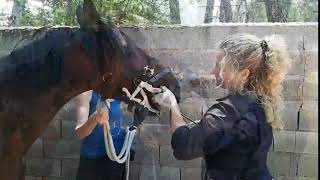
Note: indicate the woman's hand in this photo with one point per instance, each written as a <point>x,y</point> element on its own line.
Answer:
<point>166,98</point>
<point>102,116</point>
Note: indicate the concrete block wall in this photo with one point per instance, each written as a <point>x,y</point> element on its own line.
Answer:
<point>189,51</point>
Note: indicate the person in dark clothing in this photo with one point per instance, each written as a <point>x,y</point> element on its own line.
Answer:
<point>235,134</point>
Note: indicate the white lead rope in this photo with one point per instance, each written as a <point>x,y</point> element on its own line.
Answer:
<point>124,155</point>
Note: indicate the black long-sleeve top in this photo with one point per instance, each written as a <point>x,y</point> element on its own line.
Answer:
<point>233,137</point>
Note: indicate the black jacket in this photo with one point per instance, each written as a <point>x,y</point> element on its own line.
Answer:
<point>233,137</point>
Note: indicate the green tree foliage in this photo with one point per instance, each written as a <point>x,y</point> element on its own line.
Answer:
<point>127,12</point>
<point>304,11</point>
<point>148,12</point>
<point>257,11</point>
<point>277,11</point>
<point>298,11</point>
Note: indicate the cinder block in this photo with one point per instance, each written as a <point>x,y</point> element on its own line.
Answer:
<point>190,173</point>
<point>185,59</point>
<point>311,60</point>
<point>282,164</point>
<point>310,86</point>
<point>68,130</point>
<point>152,120</point>
<point>310,37</point>
<point>70,110</point>
<point>62,149</point>
<point>36,150</point>
<point>193,106</point>
<point>157,134</point>
<point>134,171</point>
<point>308,165</point>
<point>169,173</point>
<point>206,37</point>
<point>208,88</point>
<point>42,167</point>
<point>297,63</point>
<point>159,172</point>
<point>307,178</point>
<point>57,178</point>
<point>189,84</point>
<point>309,116</point>
<point>148,172</point>
<point>67,112</point>
<point>292,88</point>
<point>33,178</point>
<point>69,168</point>
<point>286,31</point>
<point>290,114</point>
<point>285,178</point>
<point>171,38</point>
<point>284,141</point>
<point>53,131</point>
<point>306,142</point>
<point>146,154</point>
<point>167,159</point>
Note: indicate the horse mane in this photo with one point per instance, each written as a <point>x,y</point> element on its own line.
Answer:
<point>37,59</point>
<point>43,40</point>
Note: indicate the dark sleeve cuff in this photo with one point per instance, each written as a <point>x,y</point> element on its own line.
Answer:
<point>179,141</point>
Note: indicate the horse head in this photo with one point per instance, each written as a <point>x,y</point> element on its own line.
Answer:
<point>120,62</point>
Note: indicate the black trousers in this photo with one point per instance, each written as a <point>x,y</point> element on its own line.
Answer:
<point>100,169</point>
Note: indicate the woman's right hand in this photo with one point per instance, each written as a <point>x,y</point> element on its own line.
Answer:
<point>166,98</point>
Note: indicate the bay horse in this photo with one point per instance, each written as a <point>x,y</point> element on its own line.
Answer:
<point>37,79</point>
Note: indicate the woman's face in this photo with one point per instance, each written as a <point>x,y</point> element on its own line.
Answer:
<point>224,76</point>
<point>227,76</point>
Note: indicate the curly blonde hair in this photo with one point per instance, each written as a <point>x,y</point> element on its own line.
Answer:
<point>267,60</point>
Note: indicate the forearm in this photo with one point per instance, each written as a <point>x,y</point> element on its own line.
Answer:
<point>86,128</point>
<point>176,118</point>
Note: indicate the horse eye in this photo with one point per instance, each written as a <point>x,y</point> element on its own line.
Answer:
<point>136,81</point>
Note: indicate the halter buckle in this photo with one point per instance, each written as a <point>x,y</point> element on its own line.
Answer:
<point>148,71</point>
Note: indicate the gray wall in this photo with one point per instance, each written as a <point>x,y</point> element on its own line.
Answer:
<point>189,51</point>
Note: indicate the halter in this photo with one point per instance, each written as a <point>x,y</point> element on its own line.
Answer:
<point>146,85</point>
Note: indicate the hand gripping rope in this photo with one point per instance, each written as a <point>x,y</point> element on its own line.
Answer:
<point>124,155</point>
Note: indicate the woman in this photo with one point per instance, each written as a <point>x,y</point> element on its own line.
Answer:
<point>235,134</point>
<point>94,162</point>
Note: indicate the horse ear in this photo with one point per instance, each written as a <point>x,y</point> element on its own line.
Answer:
<point>87,15</point>
<point>117,33</point>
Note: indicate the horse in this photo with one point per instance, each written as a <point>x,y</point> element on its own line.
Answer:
<point>37,79</point>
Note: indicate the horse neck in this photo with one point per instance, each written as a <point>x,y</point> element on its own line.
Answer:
<point>60,68</point>
<point>29,103</point>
